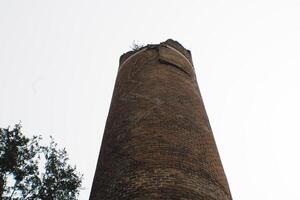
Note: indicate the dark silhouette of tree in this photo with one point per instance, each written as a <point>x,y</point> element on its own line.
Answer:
<point>30,171</point>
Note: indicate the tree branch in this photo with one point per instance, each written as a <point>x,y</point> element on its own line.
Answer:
<point>15,186</point>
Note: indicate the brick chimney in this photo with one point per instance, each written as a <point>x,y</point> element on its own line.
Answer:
<point>158,143</point>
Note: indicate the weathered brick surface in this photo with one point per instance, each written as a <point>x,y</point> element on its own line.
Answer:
<point>158,143</point>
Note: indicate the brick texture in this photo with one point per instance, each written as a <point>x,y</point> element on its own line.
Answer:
<point>158,143</point>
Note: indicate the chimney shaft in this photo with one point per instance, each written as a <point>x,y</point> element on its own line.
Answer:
<point>158,143</point>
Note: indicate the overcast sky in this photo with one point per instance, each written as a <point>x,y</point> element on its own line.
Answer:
<point>59,61</point>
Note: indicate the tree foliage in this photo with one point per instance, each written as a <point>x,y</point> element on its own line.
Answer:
<point>30,171</point>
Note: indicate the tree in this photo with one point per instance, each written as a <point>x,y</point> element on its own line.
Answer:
<point>30,171</point>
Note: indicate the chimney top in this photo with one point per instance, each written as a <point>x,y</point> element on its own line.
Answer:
<point>173,43</point>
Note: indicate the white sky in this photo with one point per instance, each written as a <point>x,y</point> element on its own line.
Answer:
<point>59,60</point>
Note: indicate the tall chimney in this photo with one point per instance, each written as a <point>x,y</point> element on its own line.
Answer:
<point>158,143</point>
